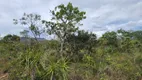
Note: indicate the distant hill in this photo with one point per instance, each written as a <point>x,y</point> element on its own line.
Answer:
<point>23,39</point>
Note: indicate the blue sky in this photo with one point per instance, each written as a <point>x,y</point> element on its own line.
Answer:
<point>102,15</point>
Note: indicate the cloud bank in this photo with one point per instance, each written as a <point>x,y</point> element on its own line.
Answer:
<point>102,15</point>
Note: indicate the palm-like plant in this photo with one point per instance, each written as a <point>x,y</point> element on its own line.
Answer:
<point>56,69</point>
<point>29,61</point>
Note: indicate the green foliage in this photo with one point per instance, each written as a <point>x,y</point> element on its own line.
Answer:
<point>53,67</point>
<point>80,43</point>
<point>137,35</point>
<point>109,38</point>
<point>28,62</point>
<point>65,21</point>
<point>10,38</point>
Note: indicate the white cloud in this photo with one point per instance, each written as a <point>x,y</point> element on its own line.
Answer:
<point>102,15</point>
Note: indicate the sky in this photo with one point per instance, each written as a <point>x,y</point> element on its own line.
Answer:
<point>102,15</point>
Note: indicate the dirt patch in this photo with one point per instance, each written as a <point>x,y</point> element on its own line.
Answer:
<point>4,76</point>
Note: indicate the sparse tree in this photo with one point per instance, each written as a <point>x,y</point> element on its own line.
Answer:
<point>65,20</point>
<point>33,21</point>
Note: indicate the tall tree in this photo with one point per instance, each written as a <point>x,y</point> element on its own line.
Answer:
<point>34,24</point>
<point>65,20</point>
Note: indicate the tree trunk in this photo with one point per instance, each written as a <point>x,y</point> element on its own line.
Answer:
<point>61,50</point>
<point>62,47</point>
